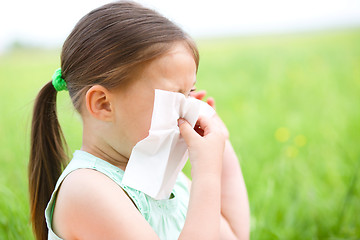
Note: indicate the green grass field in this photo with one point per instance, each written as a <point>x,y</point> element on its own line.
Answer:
<point>291,103</point>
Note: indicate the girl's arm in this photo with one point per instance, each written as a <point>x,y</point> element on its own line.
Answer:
<point>235,209</point>
<point>235,213</point>
<point>205,153</point>
<point>234,200</point>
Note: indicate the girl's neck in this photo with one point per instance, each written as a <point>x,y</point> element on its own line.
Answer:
<point>109,155</point>
<point>102,144</point>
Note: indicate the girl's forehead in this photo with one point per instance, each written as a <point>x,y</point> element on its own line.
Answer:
<point>177,60</point>
<point>176,67</point>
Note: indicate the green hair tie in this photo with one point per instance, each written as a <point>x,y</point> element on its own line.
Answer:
<point>58,82</point>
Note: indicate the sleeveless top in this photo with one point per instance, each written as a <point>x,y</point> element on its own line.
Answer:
<point>166,217</point>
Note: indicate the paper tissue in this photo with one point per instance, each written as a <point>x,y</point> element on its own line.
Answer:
<point>156,161</point>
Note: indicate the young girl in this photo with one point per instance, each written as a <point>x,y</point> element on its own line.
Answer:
<point>111,63</point>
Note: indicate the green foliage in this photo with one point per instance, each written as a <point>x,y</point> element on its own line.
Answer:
<point>291,104</point>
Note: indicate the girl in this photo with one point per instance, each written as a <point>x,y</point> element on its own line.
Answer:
<point>111,63</point>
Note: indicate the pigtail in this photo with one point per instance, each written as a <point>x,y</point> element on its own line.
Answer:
<point>47,156</point>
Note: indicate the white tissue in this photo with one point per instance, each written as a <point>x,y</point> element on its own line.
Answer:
<point>156,161</point>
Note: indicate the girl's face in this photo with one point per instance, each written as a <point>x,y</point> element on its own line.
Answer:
<point>175,71</point>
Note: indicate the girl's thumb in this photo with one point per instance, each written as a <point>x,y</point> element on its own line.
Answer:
<point>186,131</point>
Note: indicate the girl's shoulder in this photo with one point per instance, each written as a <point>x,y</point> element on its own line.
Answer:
<point>91,205</point>
<point>90,198</point>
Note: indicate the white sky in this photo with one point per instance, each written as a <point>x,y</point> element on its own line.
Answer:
<point>48,22</point>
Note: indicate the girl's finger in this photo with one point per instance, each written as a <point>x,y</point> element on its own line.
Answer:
<point>187,132</point>
<point>211,102</point>
<point>198,95</point>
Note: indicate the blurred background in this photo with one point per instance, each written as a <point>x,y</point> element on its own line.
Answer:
<point>286,79</point>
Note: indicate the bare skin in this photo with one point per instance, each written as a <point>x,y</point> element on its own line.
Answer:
<point>234,201</point>
<point>114,121</point>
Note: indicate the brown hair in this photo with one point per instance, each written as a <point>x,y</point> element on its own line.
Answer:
<point>106,47</point>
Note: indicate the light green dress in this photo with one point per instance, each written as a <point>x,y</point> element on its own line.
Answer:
<point>166,217</point>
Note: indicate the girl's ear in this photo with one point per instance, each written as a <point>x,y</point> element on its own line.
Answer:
<point>99,104</point>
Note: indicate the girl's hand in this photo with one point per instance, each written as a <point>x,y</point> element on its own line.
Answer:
<point>206,150</point>
<point>200,95</point>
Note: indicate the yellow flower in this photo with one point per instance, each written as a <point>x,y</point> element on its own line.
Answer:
<point>300,140</point>
<point>282,134</point>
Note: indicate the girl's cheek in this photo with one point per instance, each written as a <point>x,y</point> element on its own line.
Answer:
<point>143,127</point>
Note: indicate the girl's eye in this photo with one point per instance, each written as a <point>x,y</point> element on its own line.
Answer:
<point>192,90</point>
